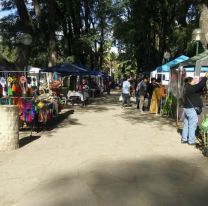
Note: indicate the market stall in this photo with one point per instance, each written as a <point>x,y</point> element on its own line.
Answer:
<point>163,72</point>
<point>71,76</point>
<point>19,88</point>
<point>97,82</point>
<point>199,65</point>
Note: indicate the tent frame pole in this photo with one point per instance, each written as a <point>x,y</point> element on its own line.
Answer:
<point>178,94</point>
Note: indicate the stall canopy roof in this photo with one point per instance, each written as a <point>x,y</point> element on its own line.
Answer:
<point>203,58</point>
<point>2,68</point>
<point>95,72</point>
<point>192,69</point>
<point>67,69</point>
<point>166,67</point>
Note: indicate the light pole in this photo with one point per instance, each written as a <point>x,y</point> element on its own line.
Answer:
<point>206,37</point>
<point>167,56</point>
<point>197,36</point>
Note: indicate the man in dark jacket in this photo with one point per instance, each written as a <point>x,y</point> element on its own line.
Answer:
<point>150,90</point>
<point>142,92</point>
<point>192,102</point>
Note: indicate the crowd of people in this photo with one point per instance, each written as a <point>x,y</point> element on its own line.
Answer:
<point>150,94</point>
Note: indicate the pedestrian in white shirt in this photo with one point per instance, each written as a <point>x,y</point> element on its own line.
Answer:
<point>126,91</point>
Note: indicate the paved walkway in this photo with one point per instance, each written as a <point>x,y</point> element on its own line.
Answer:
<point>103,155</point>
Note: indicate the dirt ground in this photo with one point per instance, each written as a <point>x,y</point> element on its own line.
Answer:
<point>103,155</point>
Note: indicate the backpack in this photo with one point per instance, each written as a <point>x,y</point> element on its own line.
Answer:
<point>140,88</point>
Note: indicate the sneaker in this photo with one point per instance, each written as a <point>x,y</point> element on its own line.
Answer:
<point>183,142</point>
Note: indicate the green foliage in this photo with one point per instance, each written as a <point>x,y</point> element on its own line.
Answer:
<point>62,28</point>
<point>203,131</point>
<point>82,31</point>
<point>170,107</point>
<point>192,48</point>
<point>147,28</point>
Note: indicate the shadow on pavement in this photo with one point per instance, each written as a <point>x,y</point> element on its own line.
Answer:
<point>101,104</point>
<point>27,140</point>
<point>135,117</point>
<point>59,121</point>
<point>156,182</point>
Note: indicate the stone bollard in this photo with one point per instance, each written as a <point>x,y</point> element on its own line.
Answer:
<point>9,127</point>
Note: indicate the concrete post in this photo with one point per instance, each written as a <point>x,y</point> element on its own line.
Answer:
<point>9,127</point>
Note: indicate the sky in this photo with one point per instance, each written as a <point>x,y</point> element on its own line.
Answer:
<point>5,13</point>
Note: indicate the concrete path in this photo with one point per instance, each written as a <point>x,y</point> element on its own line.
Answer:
<point>105,156</point>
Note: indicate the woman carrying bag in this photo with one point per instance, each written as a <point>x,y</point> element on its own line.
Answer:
<point>192,108</point>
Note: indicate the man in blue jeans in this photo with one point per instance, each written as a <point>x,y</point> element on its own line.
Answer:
<point>192,101</point>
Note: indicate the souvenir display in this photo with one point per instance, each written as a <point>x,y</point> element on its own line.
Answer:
<point>18,89</point>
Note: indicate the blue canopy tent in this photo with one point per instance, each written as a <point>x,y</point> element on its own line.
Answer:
<point>163,72</point>
<point>66,69</point>
<point>2,68</point>
<point>95,72</point>
<point>192,69</point>
<point>166,67</point>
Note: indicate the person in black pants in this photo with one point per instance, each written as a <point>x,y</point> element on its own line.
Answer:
<point>150,90</point>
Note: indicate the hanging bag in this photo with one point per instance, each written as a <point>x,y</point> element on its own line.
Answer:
<point>197,109</point>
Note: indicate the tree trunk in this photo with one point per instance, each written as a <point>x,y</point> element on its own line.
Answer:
<point>52,54</point>
<point>27,27</point>
<point>66,40</point>
<point>25,18</point>
<point>37,11</point>
<point>87,16</point>
<point>102,41</point>
<point>203,23</point>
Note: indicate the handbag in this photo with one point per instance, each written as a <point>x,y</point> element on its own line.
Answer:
<point>121,98</point>
<point>197,109</point>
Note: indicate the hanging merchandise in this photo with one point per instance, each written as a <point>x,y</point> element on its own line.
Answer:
<point>55,76</point>
<point>1,90</point>
<point>55,84</point>
<point>23,85</point>
<point>3,81</point>
<point>10,79</point>
<point>14,89</point>
<point>18,89</point>
<point>3,84</point>
<point>9,91</point>
<point>29,80</point>
<point>28,111</point>
<point>5,91</point>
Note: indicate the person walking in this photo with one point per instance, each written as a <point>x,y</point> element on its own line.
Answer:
<point>137,91</point>
<point>162,102</point>
<point>83,90</point>
<point>192,104</point>
<point>126,86</point>
<point>150,90</point>
<point>156,97</point>
<point>142,93</point>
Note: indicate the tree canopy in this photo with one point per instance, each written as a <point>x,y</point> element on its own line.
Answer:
<point>83,31</point>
